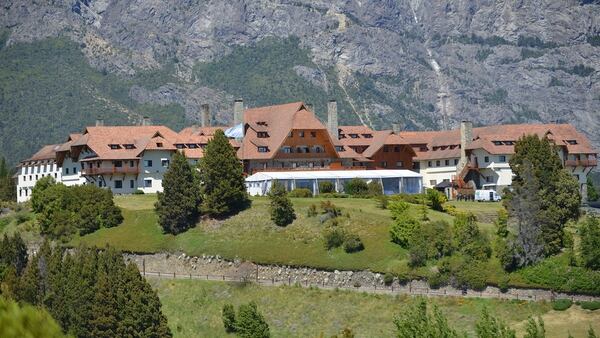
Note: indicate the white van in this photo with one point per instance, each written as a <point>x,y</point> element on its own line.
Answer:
<point>487,196</point>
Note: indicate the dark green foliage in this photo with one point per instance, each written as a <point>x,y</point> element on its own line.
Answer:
<point>179,204</point>
<point>502,223</point>
<point>464,272</point>
<point>593,194</point>
<point>382,201</point>
<point>250,323</point>
<point>482,54</point>
<point>590,243</point>
<point>594,40</point>
<point>554,82</point>
<point>431,240</point>
<point>490,327</point>
<point>581,70</point>
<point>8,190</point>
<point>63,211</point>
<point>436,199</point>
<point>404,225</point>
<point>26,321</point>
<point>93,294</point>
<point>326,187</point>
<point>356,187</point>
<point>49,90</point>
<point>223,185</point>
<point>328,208</point>
<point>13,253</point>
<point>497,97</point>
<point>374,189</point>
<point>591,305</point>
<point>282,210</point>
<point>491,41</point>
<point>228,315</point>
<point>468,239</point>
<point>545,196</point>
<point>561,304</point>
<point>300,193</point>
<point>534,42</point>
<point>334,237</point>
<point>138,192</point>
<point>527,53</point>
<point>388,279</point>
<point>312,211</point>
<point>352,243</point>
<point>535,329</point>
<point>416,321</point>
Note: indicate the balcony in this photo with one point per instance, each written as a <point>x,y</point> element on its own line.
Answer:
<point>581,163</point>
<point>110,171</point>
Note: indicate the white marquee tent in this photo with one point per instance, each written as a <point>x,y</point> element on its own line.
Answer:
<point>392,181</point>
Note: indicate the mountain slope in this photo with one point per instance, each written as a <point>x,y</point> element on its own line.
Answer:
<point>425,64</point>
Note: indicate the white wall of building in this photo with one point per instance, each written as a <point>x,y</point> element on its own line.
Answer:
<point>29,174</point>
<point>434,174</point>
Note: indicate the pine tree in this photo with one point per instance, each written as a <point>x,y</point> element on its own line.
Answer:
<point>250,323</point>
<point>13,252</point>
<point>30,288</point>
<point>590,243</point>
<point>557,190</point>
<point>282,210</point>
<point>593,194</point>
<point>26,321</point>
<point>417,322</point>
<point>228,315</point>
<point>490,327</point>
<point>8,190</point>
<point>178,205</point>
<point>535,329</point>
<point>221,174</point>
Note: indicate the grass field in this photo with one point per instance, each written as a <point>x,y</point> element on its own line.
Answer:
<point>195,306</point>
<point>253,236</point>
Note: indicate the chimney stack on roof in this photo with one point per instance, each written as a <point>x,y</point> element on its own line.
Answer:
<point>99,122</point>
<point>146,121</point>
<point>238,112</point>
<point>205,118</point>
<point>466,137</point>
<point>309,107</point>
<point>332,119</point>
<point>396,128</point>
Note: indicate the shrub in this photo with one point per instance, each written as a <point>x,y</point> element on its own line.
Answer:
<point>334,238</point>
<point>250,323</point>
<point>228,316</point>
<point>591,305</point>
<point>352,243</point>
<point>388,279</point>
<point>334,195</point>
<point>503,283</point>
<point>590,243</point>
<point>282,210</point>
<point>382,201</point>
<point>138,192</point>
<point>402,230</point>
<point>300,193</point>
<point>436,199</point>
<point>329,208</point>
<point>374,189</point>
<point>429,241</point>
<point>22,217</point>
<point>561,304</point>
<point>326,187</point>
<point>408,198</point>
<point>312,210</point>
<point>437,280</point>
<point>356,187</point>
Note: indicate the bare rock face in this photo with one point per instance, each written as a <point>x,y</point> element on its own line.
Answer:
<point>430,63</point>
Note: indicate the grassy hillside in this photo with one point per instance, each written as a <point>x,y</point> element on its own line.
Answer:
<point>48,89</point>
<point>195,306</point>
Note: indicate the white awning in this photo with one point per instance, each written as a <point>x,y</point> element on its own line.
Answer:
<point>331,174</point>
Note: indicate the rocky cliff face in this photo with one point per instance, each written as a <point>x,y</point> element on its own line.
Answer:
<point>428,64</point>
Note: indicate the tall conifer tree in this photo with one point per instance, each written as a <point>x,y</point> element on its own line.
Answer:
<point>178,204</point>
<point>221,174</point>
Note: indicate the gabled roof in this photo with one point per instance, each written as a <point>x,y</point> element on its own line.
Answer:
<point>46,153</point>
<point>277,121</point>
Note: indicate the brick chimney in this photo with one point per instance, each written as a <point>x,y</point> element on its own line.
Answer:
<point>146,121</point>
<point>332,119</point>
<point>238,112</point>
<point>99,122</point>
<point>466,137</point>
<point>205,118</point>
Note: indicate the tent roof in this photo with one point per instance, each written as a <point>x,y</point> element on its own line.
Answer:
<point>330,174</point>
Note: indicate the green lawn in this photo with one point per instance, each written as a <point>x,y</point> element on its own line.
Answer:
<point>194,307</point>
<point>251,235</point>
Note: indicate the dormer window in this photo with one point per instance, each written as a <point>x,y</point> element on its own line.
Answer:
<point>353,135</point>
<point>114,146</point>
<point>367,135</point>
<point>262,123</point>
<point>262,134</point>
<point>339,148</point>
<point>159,144</point>
<point>180,146</point>
<point>263,149</point>
<point>192,145</point>
<point>129,146</point>
<point>572,142</point>
<point>497,143</point>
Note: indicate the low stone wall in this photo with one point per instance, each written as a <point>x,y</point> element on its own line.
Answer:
<point>214,267</point>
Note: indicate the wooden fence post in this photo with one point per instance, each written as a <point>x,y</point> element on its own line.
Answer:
<point>144,266</point>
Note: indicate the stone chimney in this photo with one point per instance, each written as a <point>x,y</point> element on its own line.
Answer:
<point>146,121</point>
<point>205,118</point>
<point>466,137</point>
<point>332,119</point>
<point>238,112</point>
<point>99,122</point>
<point>396,128</point>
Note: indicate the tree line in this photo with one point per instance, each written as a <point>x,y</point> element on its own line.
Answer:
<point>88,292</point>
